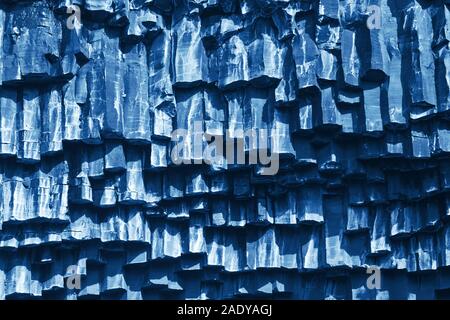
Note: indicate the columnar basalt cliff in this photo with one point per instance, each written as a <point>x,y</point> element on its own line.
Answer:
<point>357,90</point>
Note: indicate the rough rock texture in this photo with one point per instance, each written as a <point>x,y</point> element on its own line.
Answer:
<point>86,119</point>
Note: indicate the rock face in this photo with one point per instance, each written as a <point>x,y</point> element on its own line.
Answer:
<point>355,94</point>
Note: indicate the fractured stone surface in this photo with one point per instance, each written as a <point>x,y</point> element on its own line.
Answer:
<point>362,129</point>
